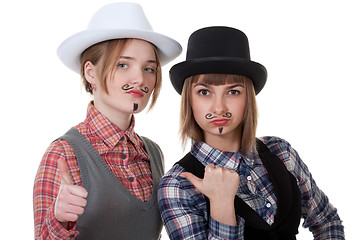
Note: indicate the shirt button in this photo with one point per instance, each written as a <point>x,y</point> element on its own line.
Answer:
<point>122,138</point>
<point>123,156</point>
<point>249,178</point>
<point>268,205</point>
<point>131,179</point>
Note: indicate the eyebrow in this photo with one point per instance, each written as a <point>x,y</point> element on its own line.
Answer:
<point>131,58</point>
<point>202,84</point>
<point>236,85</point>
<point>209,85</point>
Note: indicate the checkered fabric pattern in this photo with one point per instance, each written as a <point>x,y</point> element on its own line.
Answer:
<point>183,208</point>
<point>123,152</point>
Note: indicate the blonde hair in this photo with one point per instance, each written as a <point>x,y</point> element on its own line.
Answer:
<point>107,54</point>
<point>189,129</point>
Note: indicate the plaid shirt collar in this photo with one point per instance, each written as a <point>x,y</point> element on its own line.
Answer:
<point>107,131</point>
<point>231,160</point>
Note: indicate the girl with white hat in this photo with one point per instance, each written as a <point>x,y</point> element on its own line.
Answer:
<point>232,185</point>
<point>99,180</point>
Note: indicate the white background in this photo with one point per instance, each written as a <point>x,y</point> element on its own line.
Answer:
<point>310,49</point>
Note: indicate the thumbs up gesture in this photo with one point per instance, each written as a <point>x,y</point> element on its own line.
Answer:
<point>71,198</point>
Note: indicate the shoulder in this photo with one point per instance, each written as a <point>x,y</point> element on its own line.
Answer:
<point>282,149</point>
<point>291,158</point>
<point>277,146</point>
<point>172,177</point>
<point>59,149</point>
<point>273,142</point>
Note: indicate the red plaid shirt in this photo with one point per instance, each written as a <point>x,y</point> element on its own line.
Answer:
<point>122,151</point>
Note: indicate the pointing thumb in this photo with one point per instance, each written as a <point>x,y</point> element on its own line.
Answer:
<point>64,172</point>
<point>193,179</point>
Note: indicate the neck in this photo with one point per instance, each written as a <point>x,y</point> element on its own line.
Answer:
<point>226,142</point>
<point>120,119</point>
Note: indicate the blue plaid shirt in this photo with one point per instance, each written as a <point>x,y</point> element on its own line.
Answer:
<point>183,208</point>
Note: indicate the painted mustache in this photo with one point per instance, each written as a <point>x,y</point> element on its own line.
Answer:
<point>145,90</point>
<point>210,116</point>
<point>127,87</point>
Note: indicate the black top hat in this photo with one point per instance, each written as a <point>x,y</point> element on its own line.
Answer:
<point>218,50</point>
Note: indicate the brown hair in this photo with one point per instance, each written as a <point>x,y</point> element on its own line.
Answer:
<point>107,54</point>
<point>189,129</point>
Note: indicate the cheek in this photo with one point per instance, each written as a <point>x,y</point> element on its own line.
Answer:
<point>197,116</point>
<point>151,84</point>
<point>196,108</point>
<point>199,112</point>
<point>113,84</point>
<point>238,111</point>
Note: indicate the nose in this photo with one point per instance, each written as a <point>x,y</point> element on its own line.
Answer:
<point>219,105</point>
<point>137,77</point>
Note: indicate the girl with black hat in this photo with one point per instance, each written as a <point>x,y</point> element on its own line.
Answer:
<point>232,185</point>
<point>99,180</point>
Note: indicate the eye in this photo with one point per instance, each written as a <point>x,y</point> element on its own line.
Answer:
<point>234,92</point>
<point>123,65</point>
<point>204,92</point>
<point>150,70</point>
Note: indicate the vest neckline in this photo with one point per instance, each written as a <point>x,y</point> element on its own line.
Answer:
<point>144,205</point>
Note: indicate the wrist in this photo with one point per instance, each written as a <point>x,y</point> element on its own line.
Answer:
<point>223,211</point>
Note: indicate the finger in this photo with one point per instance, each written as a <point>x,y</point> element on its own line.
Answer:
<point>68,198</point>
<point>65,211</point>
<point>210,167</point>
<point>192,178</point>
<point>67,190</point>
<point>64,172</point>
<point>68,204</point>
<point>78,210</point>
<point>68,217</point>
<point>71,207</point>
<point>78,191</point>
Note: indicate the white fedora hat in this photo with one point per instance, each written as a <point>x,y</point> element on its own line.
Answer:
<point>115,21</point>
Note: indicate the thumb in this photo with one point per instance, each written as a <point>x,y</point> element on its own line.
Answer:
<point>193,179</point>
<point>64,172</point>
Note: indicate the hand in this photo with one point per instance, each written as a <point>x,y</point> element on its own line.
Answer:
<point>220,186</point>
<point>71,198</point>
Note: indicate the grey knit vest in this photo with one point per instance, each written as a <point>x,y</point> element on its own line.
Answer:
<point>112,212</point>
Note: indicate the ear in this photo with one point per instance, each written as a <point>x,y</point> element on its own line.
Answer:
<point>89,72</point>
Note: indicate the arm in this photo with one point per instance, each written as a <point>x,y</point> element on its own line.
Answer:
<point>183,210</point>
<point>318,213</point>
<point>46,189</point>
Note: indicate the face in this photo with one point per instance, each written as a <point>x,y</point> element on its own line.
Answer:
<point>131,84</point>
<point>218,110</point>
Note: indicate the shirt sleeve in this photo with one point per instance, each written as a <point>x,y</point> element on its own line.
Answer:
<point>46,188</point>
<point>183,211</point>
<point>319,215</point>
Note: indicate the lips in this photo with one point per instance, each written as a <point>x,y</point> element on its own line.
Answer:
<point>220,122</point>
<point>135,93</point>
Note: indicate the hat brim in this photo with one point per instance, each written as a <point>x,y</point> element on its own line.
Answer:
<point>71,49</point>
<point>228,65</point>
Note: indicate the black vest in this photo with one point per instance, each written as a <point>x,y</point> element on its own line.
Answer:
<point>112,212</point>
<point>287,218</point>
